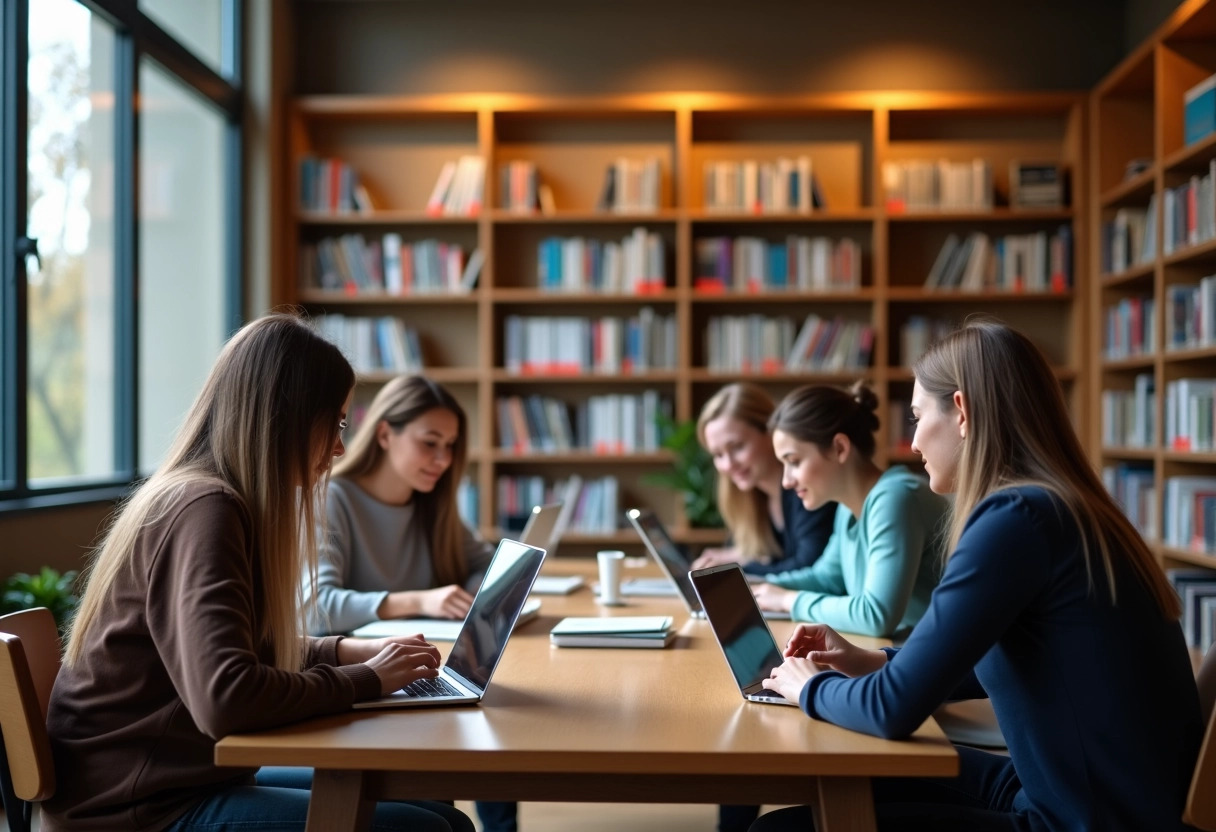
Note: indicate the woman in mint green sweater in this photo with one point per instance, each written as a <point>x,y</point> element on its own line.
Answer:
<point>884,556</point>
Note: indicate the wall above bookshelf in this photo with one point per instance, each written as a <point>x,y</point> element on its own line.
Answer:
<point>713,275</point>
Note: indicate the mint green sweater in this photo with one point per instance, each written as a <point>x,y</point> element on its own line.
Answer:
<point>877,572</point>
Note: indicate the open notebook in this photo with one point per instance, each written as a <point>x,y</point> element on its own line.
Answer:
<point>433,629</point>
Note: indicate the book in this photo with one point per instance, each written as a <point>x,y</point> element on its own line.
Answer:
<point>556,584</point>
<point>471,270</point>
<point>433,629</point>
<point>650,631</point>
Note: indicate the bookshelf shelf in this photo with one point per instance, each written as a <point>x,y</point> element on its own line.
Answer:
<point>1190,354</point>
<point>1136,274</point>
<point>1190,457</point>
<point>1203,251</point>
<point>1134,190</point>
<point>397,147</point>
<point>1137,362</point>
<point>1129,453</point>
<point>1193,158</point>
<point>1188,556</point>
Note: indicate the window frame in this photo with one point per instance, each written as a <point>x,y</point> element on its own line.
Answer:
<point>137,37</point>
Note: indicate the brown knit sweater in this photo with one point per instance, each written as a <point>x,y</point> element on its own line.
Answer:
<point>170,667</point>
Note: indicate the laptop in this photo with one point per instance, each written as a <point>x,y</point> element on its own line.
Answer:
<point>667,555</point>
<point>542,530</point>
<point>741,630</point>
<point>466,672</point>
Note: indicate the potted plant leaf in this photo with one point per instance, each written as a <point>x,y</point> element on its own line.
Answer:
<point>692,472</point>
<point>47,588</point>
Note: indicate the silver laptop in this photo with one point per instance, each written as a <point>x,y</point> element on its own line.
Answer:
<point>466,673</point>
<point>747,643</point>
<point>666,554</point>
<point>542,529</point>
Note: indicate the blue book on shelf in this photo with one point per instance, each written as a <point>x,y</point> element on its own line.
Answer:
<point>1199,110</point>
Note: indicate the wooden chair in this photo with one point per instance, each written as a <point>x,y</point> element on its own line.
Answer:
<point>29,663</point>
<point>1200,810</point>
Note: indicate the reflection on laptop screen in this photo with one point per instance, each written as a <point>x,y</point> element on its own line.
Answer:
<point>487,627</point>
<point>736,620</point>
<point>664,549</point>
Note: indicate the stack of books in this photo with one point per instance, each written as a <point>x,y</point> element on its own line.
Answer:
<point>653,631</point>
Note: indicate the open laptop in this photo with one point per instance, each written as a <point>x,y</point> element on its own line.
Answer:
<point>666,554</point>
<point>542,530</point>
<point>466,672</point>
<point>740,628</point>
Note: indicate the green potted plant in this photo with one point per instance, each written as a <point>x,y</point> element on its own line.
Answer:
<point>692,472</point>
<point>47,588</point>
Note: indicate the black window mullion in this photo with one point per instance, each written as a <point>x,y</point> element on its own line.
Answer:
<point>126,258</point>
<point>13,142</point>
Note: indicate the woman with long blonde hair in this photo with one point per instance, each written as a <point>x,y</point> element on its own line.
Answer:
<point>1050,605</point>
<point>770,529</point>
<point>191,624</point>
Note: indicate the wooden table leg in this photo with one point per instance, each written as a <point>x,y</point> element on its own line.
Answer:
<point>845,805</point>
<point>339,802</point>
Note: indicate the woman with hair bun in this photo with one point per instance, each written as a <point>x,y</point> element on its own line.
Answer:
<point>881,563</point>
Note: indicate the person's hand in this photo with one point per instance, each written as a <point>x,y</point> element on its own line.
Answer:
<point>772,597</point>
<point>359,650</point>
<point>400,663</point>
<point>451,601</point>
<point>717,557</point>
<point>790,677</point>
<point>820,644</point>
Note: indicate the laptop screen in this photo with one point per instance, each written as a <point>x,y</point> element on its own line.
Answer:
<point>665,551</point>
<point>498,602</point>
<point>737,623</point>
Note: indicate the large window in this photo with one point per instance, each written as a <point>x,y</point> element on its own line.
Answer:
<point>120,233</point>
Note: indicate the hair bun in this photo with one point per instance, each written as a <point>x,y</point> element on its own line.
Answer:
<point>865,397</point>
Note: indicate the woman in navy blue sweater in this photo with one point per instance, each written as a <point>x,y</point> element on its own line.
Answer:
<point>1050,604</point>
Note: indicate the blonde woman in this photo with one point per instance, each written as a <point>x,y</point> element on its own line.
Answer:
<point>770,530</point>
<point>190,627</point>
<point>1051,605</point>
<point>396,546</point>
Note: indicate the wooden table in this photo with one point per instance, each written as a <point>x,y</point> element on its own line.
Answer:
<point>601,725</point>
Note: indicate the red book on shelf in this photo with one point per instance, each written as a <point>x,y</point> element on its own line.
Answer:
<point>754,286</point>
<point>896,206</point>
<point>710,285</point>
<point>770,366</point>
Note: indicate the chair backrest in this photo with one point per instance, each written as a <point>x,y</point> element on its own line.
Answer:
<point>29,662</point>
<point>1200,810</point>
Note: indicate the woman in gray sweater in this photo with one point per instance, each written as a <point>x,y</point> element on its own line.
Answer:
<point>396,546</point>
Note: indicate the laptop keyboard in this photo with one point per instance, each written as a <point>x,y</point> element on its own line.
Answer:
<point>428,688</point>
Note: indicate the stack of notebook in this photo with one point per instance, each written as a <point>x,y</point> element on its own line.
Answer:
<point>652,631</point>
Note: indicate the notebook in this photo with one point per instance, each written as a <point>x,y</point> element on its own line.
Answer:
<point>740,629</point>
<point>623,631</point>
<point>434,629</point>
<point>465,674</point>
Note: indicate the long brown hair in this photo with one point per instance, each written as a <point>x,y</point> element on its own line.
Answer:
<point>744,512</point>
<point>399,402</point>
<point>274,396</point>
<point>1020,434</point>
<point>816,413</point>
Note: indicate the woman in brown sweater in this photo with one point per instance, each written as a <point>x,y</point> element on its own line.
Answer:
<point>191,625</point>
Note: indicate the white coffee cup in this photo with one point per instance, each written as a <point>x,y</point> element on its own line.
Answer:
<point>611,563</point>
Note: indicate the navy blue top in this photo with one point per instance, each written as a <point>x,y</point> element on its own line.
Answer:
<point>803,539</point>
<point>1097,702</point>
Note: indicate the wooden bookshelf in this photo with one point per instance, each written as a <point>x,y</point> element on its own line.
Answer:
<point>1136,112</point>
<point>397,146</point>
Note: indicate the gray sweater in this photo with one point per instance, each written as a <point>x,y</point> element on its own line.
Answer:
<point>371,549</point>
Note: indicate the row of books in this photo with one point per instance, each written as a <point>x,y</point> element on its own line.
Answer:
<point>568,345</point>
<point>764,344</point>
<point>941,185</point>
<point>1189,414</point>
<point>918,333</point>
<point>459,189</point>
<point>635,265</point>
<point>1032,262</point>
<point>1190,316</point>
<point>1130,238</point>
<point>373,344</point>
<point>1189,215</point>
<point>1130,328</point>
<point>519,186</point>
<point>468,502</point>
<point>1135,489</point>
<point>631,186</point>
<point>606,424</point>
<point>332,186</point>
<point>1129,416</point>
<point>1196,590</point>
<point>752,264</point>
<point>593,504</point>
<point>354,264</point>
<point>751,186</point>
<point>1190,513</point>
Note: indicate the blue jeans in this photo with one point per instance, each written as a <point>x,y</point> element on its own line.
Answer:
<point>279,803</point>
<point>980,799</point>
<point>498,817</point>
